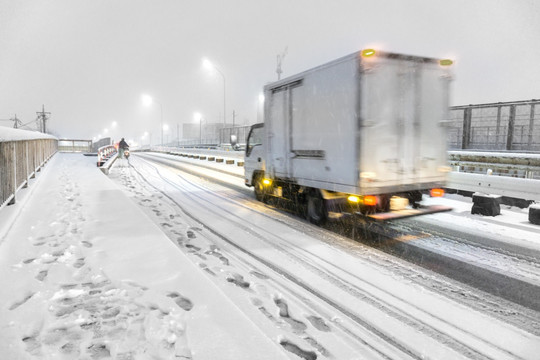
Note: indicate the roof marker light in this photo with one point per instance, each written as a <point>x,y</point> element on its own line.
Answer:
<point>446,62</point>
<point>368,52</point>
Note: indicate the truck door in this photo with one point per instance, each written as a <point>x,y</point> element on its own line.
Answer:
<point>278,124</point>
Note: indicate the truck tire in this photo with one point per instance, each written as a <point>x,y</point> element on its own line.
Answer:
<point>316,208</point>
<point>260,193</point>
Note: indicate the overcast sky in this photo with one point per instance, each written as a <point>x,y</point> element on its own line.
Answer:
<point>89,61</point>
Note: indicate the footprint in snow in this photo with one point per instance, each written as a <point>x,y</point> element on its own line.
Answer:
<point>99,351</point>
<point>181,301</point>
<point>284,313</point>
<point>19,303</point>
<point>318,323</point>
<point>259,305</point>
<point>33,346</point>
<point>321,349</point>
<point>200,255</point>
<point>214,251</point>
<point>205,268</point>
<point>295,349</point>
<point>79,263</point>
<point>193,247</point>
<point>42,275</point>
<point>237,280</point>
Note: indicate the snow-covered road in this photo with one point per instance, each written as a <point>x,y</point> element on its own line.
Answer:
<point>501,251</point>
<point>370,307</point>
<point>168,263</point>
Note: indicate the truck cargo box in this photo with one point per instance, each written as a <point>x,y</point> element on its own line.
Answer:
<point>360,125</point>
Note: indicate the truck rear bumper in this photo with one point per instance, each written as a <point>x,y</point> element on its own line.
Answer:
<point>400,214</point>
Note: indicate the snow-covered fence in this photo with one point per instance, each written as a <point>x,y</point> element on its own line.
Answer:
<point>496,126</point>
<point>22,154</point>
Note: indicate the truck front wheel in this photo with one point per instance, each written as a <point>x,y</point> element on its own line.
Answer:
<point>316,208</point>
<point>260,193</point>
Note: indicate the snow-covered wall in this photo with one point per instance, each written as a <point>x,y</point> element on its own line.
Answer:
<point>22,154</point>
<point>10,134</point>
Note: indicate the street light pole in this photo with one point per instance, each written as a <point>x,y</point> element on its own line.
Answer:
<point>161,110</point>
<point>147,101</point>
<point>199,117</point>
<point>207,63</point>
<point>224,109</point>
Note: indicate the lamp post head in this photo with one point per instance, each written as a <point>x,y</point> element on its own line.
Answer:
<point>146,100</point>
<point>207,64</point>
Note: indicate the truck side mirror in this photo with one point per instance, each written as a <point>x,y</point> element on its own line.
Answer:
<point>234,142</point>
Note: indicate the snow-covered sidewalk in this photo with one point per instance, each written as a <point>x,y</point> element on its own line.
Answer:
<point>85,274</point>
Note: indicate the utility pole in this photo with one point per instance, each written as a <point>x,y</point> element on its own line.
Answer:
<point>279,61</point>
<point>42,119</point>
<point>16,122</point>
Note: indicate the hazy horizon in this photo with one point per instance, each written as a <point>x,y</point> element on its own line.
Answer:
<point>89,62</point>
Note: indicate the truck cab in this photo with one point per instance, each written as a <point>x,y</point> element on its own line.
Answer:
<point>254,163</point>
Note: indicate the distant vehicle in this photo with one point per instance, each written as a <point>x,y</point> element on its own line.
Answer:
<point>364,133</point>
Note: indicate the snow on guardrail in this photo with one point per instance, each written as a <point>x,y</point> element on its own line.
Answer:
<point>526,189</point>
<point>501,186</point>
<point>106,156</point>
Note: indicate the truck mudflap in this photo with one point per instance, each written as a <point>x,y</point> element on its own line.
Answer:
<point>400,214</point>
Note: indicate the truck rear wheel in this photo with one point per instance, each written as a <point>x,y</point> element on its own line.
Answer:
<point>316,208</point>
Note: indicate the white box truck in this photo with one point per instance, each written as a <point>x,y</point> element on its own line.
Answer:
<point>364,134</point>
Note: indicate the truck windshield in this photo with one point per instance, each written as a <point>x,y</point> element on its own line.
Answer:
<point>255,138</point>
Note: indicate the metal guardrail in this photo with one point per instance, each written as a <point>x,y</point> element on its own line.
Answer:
<point>514,187</point>
<point>525,189</point>
<point>516,165</point>
<point>105,153</point>
<point>19,162</point>
<point>73,145</point>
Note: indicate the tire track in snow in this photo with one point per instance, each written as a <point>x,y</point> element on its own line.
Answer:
<point>501,305</point>
<point>422,327</point>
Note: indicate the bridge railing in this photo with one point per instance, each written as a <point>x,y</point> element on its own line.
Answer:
<point>496,126</point>
<point>22,155</point>
<point>105,153</point>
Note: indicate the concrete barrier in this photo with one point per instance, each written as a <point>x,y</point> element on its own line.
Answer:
<point>487,205</point>
<point>534,214</point>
